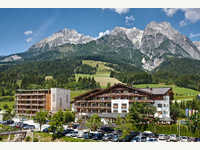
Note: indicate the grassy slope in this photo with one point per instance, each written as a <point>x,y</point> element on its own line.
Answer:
<point>102,75</point>
<point>179,92</point>
<point>3,101</point>
<point>77,93</point>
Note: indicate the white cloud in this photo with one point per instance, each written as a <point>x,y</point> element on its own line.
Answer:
<point>191,14</point>
<point>28,40</point>
<point>129,20</point>
<point>28,32</point>
<point>182,23</point>
<point>170,11</point>
<point>103,33</point>
<point>119,10</point>
<point>194,35</point>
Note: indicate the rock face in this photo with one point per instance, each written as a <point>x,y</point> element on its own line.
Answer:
<point>197,44</point>
<point>133,34</point>
<point>146,49</point>
<point>11,58</point>
<point>64,36</point>
<point>160,41</point>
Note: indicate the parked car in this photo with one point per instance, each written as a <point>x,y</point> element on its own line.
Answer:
<point>173,138</point>
<point>115,138</point>
<point>67,131</point>
<point>7,122</point>
<point>107,137</point>
<point>74,134</point>
<point>148,134</point>
<point>75,125</point>
<point>86,135</point>
<point>152,140</point>
<point>197,140</point>
<point>28,127</point>
<point>139,139</point>
<point>45,129</point>
<point>20,125</point>
<point>162,137</point>
<point>106,129</point>
<point>183,139</point>
<point>96,135</point>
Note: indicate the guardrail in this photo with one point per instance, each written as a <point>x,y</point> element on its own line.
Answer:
<point>13,132</point>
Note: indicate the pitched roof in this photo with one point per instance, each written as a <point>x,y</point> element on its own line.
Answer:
<point>155,91</point>
<point>88,93</point>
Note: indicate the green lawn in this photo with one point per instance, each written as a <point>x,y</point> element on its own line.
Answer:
<point>46,137</point>
<point>4,100</point>
<point>77,93</point>
<point>179,92</point>
<point>102,75</point>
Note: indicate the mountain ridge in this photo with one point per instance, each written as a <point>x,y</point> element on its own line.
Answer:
<point>145,49</point>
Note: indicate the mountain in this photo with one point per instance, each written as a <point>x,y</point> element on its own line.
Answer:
<point>10,58</point>
<point>197,44</point>
<point>161,41</point>
<point>59,38</point>
<point>146,49</point>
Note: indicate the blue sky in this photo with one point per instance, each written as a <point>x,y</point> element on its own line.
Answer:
<point>21,28</point>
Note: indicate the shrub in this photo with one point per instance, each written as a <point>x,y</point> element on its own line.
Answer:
<point>35,139</point>
<point>27,139</point>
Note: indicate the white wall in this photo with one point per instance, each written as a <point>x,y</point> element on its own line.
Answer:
<point>164,109</point>
<point>120,102</point>
<point>60,99</point>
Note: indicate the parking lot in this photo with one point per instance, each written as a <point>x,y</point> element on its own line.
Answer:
<point>104,134</point>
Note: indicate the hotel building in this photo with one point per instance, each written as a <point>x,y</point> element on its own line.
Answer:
<point>116,100</point>
<point>28,102</point>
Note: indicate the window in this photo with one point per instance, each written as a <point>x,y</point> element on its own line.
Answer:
<point>160,105</point>
<point>115,111</point>
<point>115,105</point>
<point>164,112</point>
<point>124,111</point>
<point>164,105</point>
<point>124,106</point>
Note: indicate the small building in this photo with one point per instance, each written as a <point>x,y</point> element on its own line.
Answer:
<point>28,102</point>
<point>115,101</point>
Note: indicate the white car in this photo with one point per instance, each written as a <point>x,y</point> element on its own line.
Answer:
<point>184,139</point>
<point>162,137</point>
<point>173,138</point>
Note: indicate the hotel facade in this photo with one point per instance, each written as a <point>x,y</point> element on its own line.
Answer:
<point>28,102</point>
<point>116,100</point>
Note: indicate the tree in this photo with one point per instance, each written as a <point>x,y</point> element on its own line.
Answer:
<point>174,111</point>
<point>56,124</point>
<point>125,125</point>
<point>108,85</point>
<point>194,122</point>
<point>141,114</point>
<point>94,122</point>
<point>9,114</point>
<point>5,106</point>
<point>68,117</point>
<point>41,117</point>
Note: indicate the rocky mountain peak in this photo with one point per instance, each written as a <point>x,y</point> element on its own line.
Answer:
<point>63,37</point>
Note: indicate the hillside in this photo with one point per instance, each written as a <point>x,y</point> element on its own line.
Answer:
<point>179,92</point>
<point>102,74</point>
<point>180,66</point>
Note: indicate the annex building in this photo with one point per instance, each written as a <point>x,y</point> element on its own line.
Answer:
<point>28,102</point>
<point>116,100</point>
